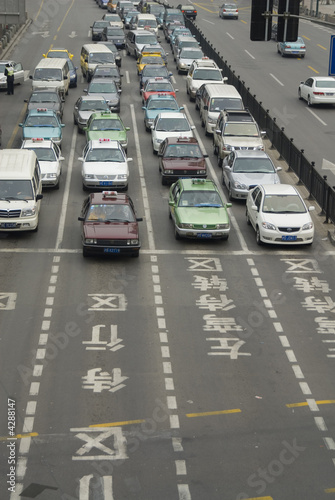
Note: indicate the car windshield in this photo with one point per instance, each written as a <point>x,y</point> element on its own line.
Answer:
<point>229,6</point>
<point>131,13</point>
<point>163,104</point>
<point>159,87</point>
<point>150,72</point>
<point>102,57</point>
<point>147,22</point>
<point>115,32</point>
<point>207,74</point>
<point>157,9</point>
<point>105,155</point>
<point>146,39</point>
<point>106,72</point>
<point>183,151</point>
<point>325,84</point>
<point>44,97</point>
<point>241,130</point>
<point>172,125</point>
<point>94,106</point>
<point>41,121</point>
<point>151,60</point>
<point>101,124</point>
<point>48,74</point>
<point>253,165</point>
<point>2,67</point>
<point>191,54</point>
<point>45,154</point>
<point>59,54</point>
<point>283,204</point>
<point>112,213</point>
<point>219,103</point>
<point>16,190</point>
<point>102,88</point>
<point>112,17</point>
<point>200,199</point>
<point>100,24</point>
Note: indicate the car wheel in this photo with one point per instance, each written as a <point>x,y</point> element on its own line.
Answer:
<point>147,129</point>
<point>207,134</point>
<point>258,237</point>
<point>247,217</point>
<point>57,185</point>
<point>191,98</point>
<point>85,252</point>
<point>202,123</point>
<point>220,161</point>
<point>196,105</point>
<point>170,216</point>
<point>135,254</point>
<point>299,94</point>
<point>155,152</point>
<point>230,194</point>
<point>74,121</point>
<point>187,91</point>
<point>225,237</point>
<point>176,234</point>
<point>215,150</point>
<point>309,102</point>
<point>163,181</point>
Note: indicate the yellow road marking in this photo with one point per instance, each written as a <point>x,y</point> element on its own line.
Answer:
<point>243,21</point>
<point>19,436</point>
<point>209,413</point>
<point>260,498</point>
<point>321,46</point>
<point>305,37</point>
<point>39,10</point>
<point>68,10</point>
<point>330,490</point>
<point>118,424</point>
<point>323,402</point>
<point>310,67</point>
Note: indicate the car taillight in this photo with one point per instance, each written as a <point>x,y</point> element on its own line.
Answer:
<point>288,46</point>
<point>318,93</point>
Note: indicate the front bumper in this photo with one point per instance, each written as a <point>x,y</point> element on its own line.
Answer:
<point>111,250</point>
<point>21,224</point>
<point>274,237</point>
<point>211,234</point>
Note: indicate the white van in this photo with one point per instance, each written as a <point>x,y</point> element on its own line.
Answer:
<point>214,98</point>
<point>52,72</point>
<point>145,21</point>
<point>20,190</point>
<point>93,54</point>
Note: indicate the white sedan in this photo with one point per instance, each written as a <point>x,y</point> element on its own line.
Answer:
<point>105,165</point>
<point>169,125</point>
<point>50,160</point>
<point>278,214</point>
<point>318,90</point>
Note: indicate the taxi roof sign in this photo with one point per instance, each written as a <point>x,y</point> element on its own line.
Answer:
<point>109,194</point>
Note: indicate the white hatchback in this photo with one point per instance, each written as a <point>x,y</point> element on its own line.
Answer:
<point>318,90</point>
<point>105,165</point>
<point>169,125</point>
<point>278,214</point>
<point>49,158</point>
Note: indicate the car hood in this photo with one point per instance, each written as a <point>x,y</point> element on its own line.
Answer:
<point>287,220</point>
<point>48,167</point>
<point>114,135</point>
<point>253,179</point>
<point>152,113</point>
<point>107,95</point>
<point>43,132</point>
<point>105,168</point>
<point>164,134</point>
<point>178,163</point>
<point>53,106</point>
<point>202,215</point>
<point>243,142</point>
<point>112,230</point>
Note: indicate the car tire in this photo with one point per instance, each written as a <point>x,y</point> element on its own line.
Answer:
<point>85,252</point>
<point>176,234</point>
<point>136,254</point>
<point>56,187</point>
<point>163,181</point>
<point>299,94</point>
<point>258,237</point>
<point>207,134</point>
<point>309,103</point>
<point>191,98</point>
<point>220,161</point>
<point>196,106</point>
<point>84,187</point>
<point>230,196</point>
<point>247,217</point>
<point>215,150</point>
<point>225,237</point>
<point>302,56</point>
<point>155,152</point>
<point>202,123</point>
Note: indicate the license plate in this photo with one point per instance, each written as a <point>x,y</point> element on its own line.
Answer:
<point>204,235</point>
<point>111,250</point>
<point>8,225</point>
<point>295,51</point>
<point>289,238</point>
<point>329,93</point>
<point>106,183</point>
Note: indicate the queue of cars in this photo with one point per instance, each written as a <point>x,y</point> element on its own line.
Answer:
<point>195,203</point>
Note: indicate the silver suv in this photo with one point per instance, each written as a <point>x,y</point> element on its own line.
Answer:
<point>203,70</point>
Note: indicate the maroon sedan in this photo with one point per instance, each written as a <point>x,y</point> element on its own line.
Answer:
<point>109,225</point>
<point>181,157</point>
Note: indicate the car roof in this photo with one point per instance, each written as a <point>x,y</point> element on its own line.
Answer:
<point>278,189</point>
<point>172,115</point>
<point>41,143</point>
<point>105,114</point>
<point>327,78</point>
<point>93,98</point>
<point>198,184</point>
<point>240,153</point>
<point>162,97</point>
<point>105,143</point>
<point>40,111</point>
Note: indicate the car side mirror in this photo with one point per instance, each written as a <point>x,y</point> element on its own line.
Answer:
<point>311,208</point>
<point>218,132</point>
<point>205,156</point>
<point>61,158</point>
<point>39,197</point>
<point>181,108</point>
<point>228,205</point>
<point>62,125</point>
<point>254,208</point>
<point>20,124</point>
<point>171,203</point>
<point>139,219</point>
<point>81,219</point>
<point>206,108</point>
<point>278,169</point>
<point>25,100</point>
<point>80,158</point>
<point>192,127</point>
<point>263,133</point>
<point>130,159</point>
<point>143,107</point>
<point>127,129</point>
<point>119,91</point>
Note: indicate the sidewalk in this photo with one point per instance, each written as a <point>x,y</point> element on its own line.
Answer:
<point>326,10</point>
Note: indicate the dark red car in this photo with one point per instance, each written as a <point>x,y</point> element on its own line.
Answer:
<point>109,225</point>
<point>158,85</point>
<point>181,157</point>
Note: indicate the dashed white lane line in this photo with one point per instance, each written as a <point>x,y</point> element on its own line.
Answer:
<point>317,117</point>
<point>276,79</point>
<point>127,77</point>
<point>230,36</point>
<point>210,22</point>
<point>320,423</point>
<point>250,55</point>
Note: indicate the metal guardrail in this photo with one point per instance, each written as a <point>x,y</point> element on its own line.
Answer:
<point>316,184</point>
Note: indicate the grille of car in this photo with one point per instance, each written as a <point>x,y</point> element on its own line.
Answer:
<point>106,177</point>
<point>6,214</point>
<point>289,229</point>
<point>204,226</point>
<point>112,243</point>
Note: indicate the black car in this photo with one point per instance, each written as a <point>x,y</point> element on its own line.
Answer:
<point>115,35</point>
<point>154,71</point>
<point>48,99</point>
<point>188,10</point>
<point>108,71</point>
<point>117,54</point>
<point>97,29</point>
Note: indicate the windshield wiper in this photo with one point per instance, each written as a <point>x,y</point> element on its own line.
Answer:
<point>14,198</point>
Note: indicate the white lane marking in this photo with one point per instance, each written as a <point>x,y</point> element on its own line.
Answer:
<point>40,354</point>
<point>278,81</point>
<point>278,328</point>
<point>250,55</point>
<point>45,325</point>
<point>297,371</point>
<point>173,80</point>
<point>161,323</point>
<point>61,224</point>
<point>215,177</point>
<point>291,356</point>
<point>231,36</point>
<point>25,446</point>
<point>28,425</point>
<point>329,442</point>
<point>169,384</point>
<point>184,492</point>
<point>167,367</point>
<point>171,402</point>
<point>210,22</point>
<point>127,77</point>
<point>263,292</point>
<point>174,422</point>
<point>312,405</point>
<point>320,423</point>
<point>176,443</point>
<point>158,299</point>
<point>180,467</point>
<point>34,388</point>
<point>31,408</point>
<point>43,339</point>
<point>165,352</point>
<point>159,311</point>
<point>157,289</point>
<point>316,116</point>
<point>305,388</point>
<point>259,282</point>
<point>163,337</point>
<point>284,341</point>
<point>38,369</point>
<point>148,220</point>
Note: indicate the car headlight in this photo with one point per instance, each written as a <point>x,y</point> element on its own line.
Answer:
<point>222,226</point>
<point>150,120</point>
<point>55,138</point>
<point>168,172</point>
<point>122,177</point>
<point>159,140</point>
<point>88,176</point>
<point>267,225</point>
<point>186,226</point>
<point>309,225</point>
<point>201,172</point>
<point>238,185</point>
<point>259,148</point>
<point>28,212</point>
<point>90,241</point>
<point>132,242</point>
<point>51,176</point>
<point>210,120</point>
<point>228,147</point>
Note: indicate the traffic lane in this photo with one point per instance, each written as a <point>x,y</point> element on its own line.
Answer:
<point>91,296</point>
<point>248,394</point>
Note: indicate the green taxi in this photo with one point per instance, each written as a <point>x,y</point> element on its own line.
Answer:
<point>106,125</point>
<point>197,210</point>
